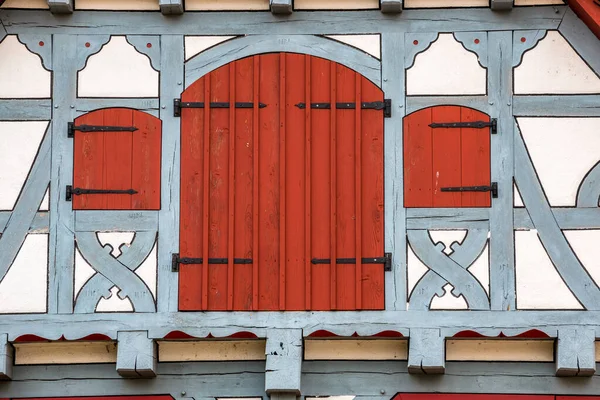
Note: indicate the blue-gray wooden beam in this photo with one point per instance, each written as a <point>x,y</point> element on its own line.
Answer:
<point>6,357</point>
<point>391,6</point>
<point>284,362</point>
<point>171,7</point>
<point>426,352</point>
<point>576,352</point>
<point>136,355</point>
<point>281,6</point>
<point>60,6</point>
<point>501,5</point>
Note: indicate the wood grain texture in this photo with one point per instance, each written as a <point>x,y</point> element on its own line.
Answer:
<point>248,191</point>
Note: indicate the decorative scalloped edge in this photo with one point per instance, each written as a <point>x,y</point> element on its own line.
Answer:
<point>94,337</point>
<point>522,334</point>
<point>323,333</point>
<point>176,335</point>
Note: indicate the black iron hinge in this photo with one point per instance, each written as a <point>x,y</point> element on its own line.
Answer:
<point>492,188</point>
<point>385,105</point>
<point>71,191</point>
<point>493,124</point>
<point>176,260</point>
<point>178,105</point>
<point>386,260</point>
<point>71,128</point>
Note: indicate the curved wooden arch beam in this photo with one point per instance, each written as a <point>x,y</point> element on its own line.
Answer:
<point>40,45</point>
<point>312,45</point>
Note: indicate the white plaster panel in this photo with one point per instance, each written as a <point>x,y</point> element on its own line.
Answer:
<point>21,72</point>
<point>585,245</point>
<point>539,286</point>
<point>83,272</point>
<point>45,201</point>
<point>115,240</point>
<point>148,271</point>
<point>198,5</point>
<point>537,2</point>
<point>444,3</point>
<point>117,5</point>
<point>370,44</point>
<point>563,151</point>
<point>415,269</point>
<point>517,199</point>
<point>197,44</point>
<point>356,349</point>
<point>211,350</point>
<point>448,301</point>
<point>554,67</point>
<point>114,303</point>
<point>446,67</point>
<point>19,143</point>
<point>447,238</point>
<point>336,4</point>
<point>37,4</point>
<point>68,352</point>
<point>24,288</point>
<point>499,350</point>
<point>118,70</point>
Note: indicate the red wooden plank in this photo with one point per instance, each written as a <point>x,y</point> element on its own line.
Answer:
<point>145,177</point>
<point>118,147</point>
<point>255,192</point>
<point>231,140</point>
<point>282,180</point>
<point>446,150</point>
<point>88,162</point>
<point>160,397</point>
<point>191,229</point>
<point>206,192</point>
<point>475,165</point>
<point>344,192</point>
<point>441,396</point>
<point>418,159</point>
<point>308,187</point>
<point>321,184</point>
<point>295,184</point>
<point>218,214</point>
<point>268,262</point>
<point>243,185</point>
<point>333,187</point>
<point>372,235</point>
<point>358,191</point>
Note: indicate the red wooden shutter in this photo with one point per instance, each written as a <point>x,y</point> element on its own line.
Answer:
<point>445,157</point>
<point>117,160</point>
<point>280,185</point>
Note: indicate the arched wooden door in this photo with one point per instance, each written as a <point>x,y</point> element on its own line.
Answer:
<point>281,187</point>
<point>447,158</point>
<point>116,160</point>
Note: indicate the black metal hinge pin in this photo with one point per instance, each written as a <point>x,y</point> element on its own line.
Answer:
<point>385,105</point>
<point>492,188</point>
<point>178,105</point>
<point>386,260</point>
<point>492,124</point>
<point>71,128</point>
<point>71,191</point>
<point>176,261</point>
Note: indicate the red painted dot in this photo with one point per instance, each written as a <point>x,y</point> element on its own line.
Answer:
<point>523,40</point>
<point>41,44</point>
<point>148,45</point>
<point>416,42</point>
<point>476,41</point>
<point>87,44</point>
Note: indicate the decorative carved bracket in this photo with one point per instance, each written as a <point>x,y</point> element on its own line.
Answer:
<point>284,361</point>
<point>136,355</point>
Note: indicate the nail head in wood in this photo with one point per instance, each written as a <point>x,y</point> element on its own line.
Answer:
<point>391,6</point>
<point>281,6</point>
<point>501,5</point>
<point>60,6</point>
<point>171,7</point>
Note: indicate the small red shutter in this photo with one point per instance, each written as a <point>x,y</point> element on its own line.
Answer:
<point>280,185</point>
<point>445,157</point>
<point>118,160</point>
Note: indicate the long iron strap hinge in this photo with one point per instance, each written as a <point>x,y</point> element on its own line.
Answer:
<point>71,128</point>
<point>492,188</point>
<point>386,260</point>
<point>178,105</point>
<point>385,105</point>
<point>176,261</point>
<point>71,191</point>
<point>493,124</point>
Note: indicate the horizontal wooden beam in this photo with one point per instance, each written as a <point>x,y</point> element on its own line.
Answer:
<point>559,105</point>
<point>85,105</point>
<point>26,110</point>
<point>305,22</point>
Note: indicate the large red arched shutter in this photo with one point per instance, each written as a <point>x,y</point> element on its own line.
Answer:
<point>116,163</point>
<point>281,187</point>
<point>447,158</point>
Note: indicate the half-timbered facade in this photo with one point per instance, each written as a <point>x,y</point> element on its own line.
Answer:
<point>250,198</point>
